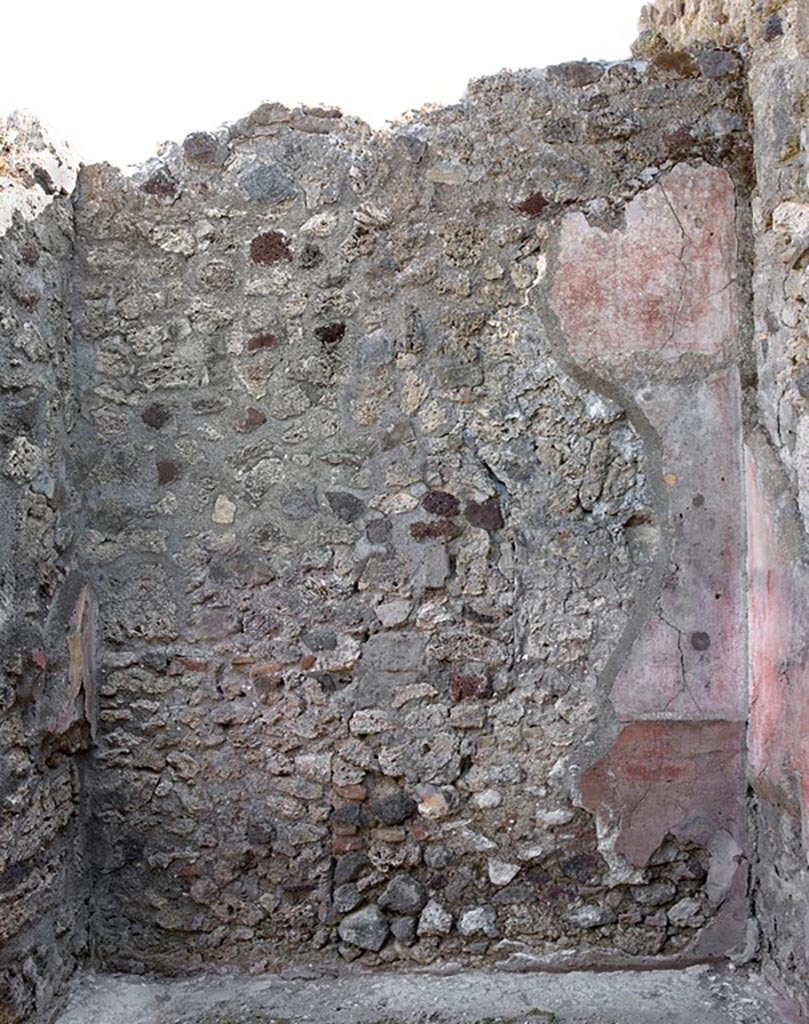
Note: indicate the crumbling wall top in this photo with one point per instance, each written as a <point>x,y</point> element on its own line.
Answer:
<point>35,166</point>
<point>761,26</point>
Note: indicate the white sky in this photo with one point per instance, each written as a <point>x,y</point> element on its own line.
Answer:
<point>117,78</point>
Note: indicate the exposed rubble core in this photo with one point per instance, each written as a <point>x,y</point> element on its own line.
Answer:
<point>355,658</point>
<point>407,534</point>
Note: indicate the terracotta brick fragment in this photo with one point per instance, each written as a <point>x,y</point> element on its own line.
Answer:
<point>389,835</point>
<point>354,792</point>
<point>344,844</point>
<point>266,668</point>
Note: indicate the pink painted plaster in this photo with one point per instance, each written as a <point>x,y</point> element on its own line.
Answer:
<point>665,283</point>
<point>779,659</point>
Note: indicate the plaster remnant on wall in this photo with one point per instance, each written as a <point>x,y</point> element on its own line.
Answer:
<point>665,282</point>
<point>779,727</point>
<point>690,655</point>
<point>81,643</point>
<point>683,778</point>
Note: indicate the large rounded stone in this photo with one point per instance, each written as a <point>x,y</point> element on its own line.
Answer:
<point>366,928</point>
<point>404,894</point>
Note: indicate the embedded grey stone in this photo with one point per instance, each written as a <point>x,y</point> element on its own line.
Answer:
<point>349,867</point>
<point>269,184</point>
<point>346,897</point>
<point>394,809</point>
<point>366,928</point>
<point>655,894</point>
<point>403,930</point>
<point>345,506</point>
<point>478,921</point>
<point>590,916</point>
<point>501,872</point>
<point>687,913</point>
<point>434,920</point>
<point>404,894</point>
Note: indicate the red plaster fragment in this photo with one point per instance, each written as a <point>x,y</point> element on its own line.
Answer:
<point>351,792</point>
<point>683,778</point>
<point>389,835</point>
<point>267,668</point>
<point>345,844</point>
<point>193,664</point>
<point>239,660</point>
<point>420,832</point>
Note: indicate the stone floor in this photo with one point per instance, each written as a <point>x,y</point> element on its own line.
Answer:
<point>698,995</point>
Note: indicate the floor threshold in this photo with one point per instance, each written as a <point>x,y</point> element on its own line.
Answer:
<point>695,995</point>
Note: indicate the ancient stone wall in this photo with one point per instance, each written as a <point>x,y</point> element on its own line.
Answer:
<point>438,499</point>
<point>46,610</point>
<point>748,23</point>
<point>413,593</point>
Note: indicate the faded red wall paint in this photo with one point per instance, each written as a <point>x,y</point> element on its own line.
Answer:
<point>665,283</point>
<point>686,778</point>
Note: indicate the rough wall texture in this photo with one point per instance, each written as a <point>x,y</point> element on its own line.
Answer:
<point>775,37</point>
<point>394,502</point>
<point>45,610</point>
<point>431,482</point>
<point>734,23</point>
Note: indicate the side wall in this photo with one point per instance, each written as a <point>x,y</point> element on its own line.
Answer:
<point>45,611</point>
<point>776,38</point>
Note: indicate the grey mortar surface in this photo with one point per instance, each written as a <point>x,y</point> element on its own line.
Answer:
<point>697,995</point>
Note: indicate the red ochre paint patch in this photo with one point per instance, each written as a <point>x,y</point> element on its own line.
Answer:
<point>261,341</point>
<point>683,778</point>
<point>465,685</point>
<point>160,183</point>
<point>442,529</point>
<point>533,205</point>
<point>484,514</point>
<point>441,503</point>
